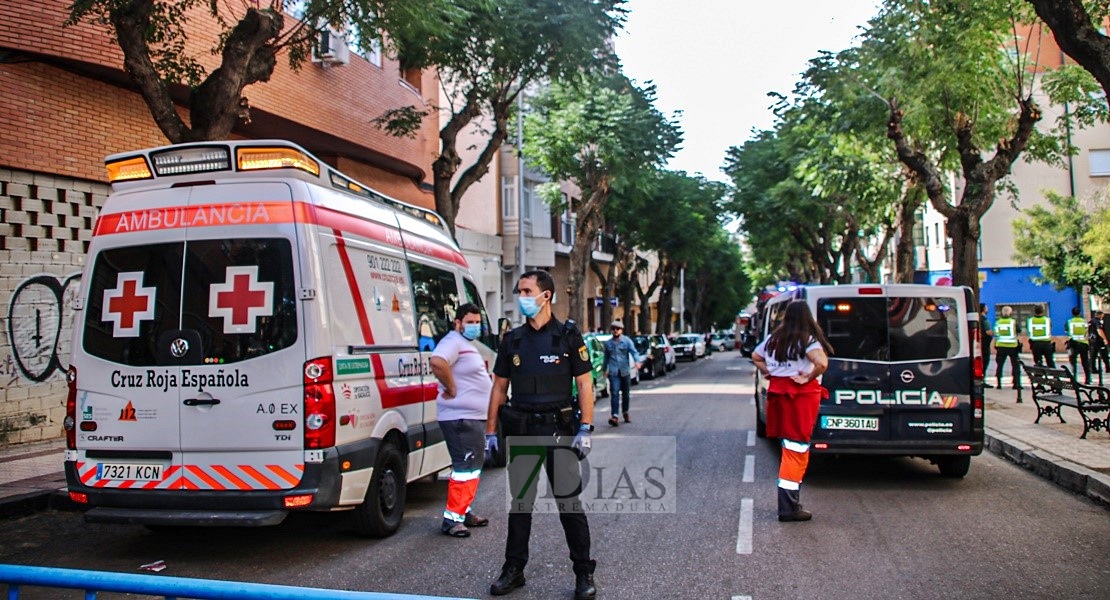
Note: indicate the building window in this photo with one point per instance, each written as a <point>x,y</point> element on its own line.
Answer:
<point>566,227</point>
<point>374,53</point>
<point>1100,163</point>
<point>508,197</point>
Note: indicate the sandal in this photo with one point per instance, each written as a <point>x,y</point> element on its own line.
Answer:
<point>456,530</point>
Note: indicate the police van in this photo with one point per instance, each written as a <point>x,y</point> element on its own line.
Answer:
<point>905,376</point>
<point>252,337</point>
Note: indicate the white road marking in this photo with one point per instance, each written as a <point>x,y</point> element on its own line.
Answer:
<point>749,468</point>
<point>751,437</point>
<point>744,532</point>
<point>741,598</point>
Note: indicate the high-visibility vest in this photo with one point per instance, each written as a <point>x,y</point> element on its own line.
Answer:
<point>1040,329</point>
<point>1077,329</point>
<point>1005,333</point>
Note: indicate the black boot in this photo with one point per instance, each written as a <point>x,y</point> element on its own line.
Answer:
<point>584,588</point>
<point>790,509</point>
<point>511,578</point>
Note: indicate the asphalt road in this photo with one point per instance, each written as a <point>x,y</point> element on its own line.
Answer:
<point>883,528</point>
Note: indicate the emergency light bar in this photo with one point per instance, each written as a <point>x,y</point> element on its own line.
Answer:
<point>191,160</point>
<point>255,158</point>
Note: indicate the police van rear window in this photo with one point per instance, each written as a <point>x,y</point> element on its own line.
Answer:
<point>890,328</point>
<point>238,295</point>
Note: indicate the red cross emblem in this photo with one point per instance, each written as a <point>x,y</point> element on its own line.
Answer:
<point>128,305</point>
<point>241,299</point>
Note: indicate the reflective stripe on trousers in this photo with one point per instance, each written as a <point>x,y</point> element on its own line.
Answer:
<point>792,465</point>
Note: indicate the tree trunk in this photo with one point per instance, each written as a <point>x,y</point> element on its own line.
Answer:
<point>1078,35</point>
<point>963,228</point>
<point>586,226</point>
<point>904,258</point>
<point>666,299</point>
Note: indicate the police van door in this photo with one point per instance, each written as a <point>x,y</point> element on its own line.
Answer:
<point>855,322</point>
<point>241,399</point>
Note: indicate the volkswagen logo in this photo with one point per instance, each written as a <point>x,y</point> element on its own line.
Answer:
<point>179,347</point>
<point>907,376</point>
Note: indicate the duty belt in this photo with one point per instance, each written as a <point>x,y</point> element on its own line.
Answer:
<point>542,414</point>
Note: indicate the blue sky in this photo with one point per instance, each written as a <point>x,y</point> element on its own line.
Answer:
<point>716,60</point>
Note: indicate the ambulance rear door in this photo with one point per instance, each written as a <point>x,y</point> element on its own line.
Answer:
<point>241,395</point>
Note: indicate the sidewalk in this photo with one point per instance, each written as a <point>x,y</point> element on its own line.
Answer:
<point>31,477</point>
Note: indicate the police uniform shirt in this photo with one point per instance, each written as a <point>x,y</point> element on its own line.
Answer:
<point>538,356</point>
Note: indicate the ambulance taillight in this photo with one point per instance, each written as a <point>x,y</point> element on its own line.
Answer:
<point>70,422</point>
<point>319,404</point>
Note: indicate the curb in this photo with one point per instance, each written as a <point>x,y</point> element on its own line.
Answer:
<point>33,502</point>
<point>1066,474</point>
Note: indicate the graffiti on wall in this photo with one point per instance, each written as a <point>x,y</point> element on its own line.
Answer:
<point>39,314</point>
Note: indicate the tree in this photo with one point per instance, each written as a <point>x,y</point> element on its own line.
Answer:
<point>499,50</point>
<point>955,83</point>
<point>152,35</point>
<point>1076,31</point>
<point>605,135</point>
<point>1064,239</point>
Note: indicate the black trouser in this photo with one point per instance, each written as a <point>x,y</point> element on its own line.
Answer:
<point>1002,354</point>
<point>1042,352</point>
<point>1100,358</point>
<point>575,526</point>
<point>1080,350</point>
<point>987,352</point>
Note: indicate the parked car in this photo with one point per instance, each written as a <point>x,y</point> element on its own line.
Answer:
<point>719,341</point>
<point>654,362</point>
<point>690,346</point>
<point>604,337</point>
<point>597,360</point>
<point>668,351</point>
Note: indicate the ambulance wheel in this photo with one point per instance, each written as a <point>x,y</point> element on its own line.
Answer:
<point>381,512</point>
<point>954,467</point>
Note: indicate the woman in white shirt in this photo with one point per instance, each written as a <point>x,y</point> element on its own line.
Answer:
<point>792,358</point>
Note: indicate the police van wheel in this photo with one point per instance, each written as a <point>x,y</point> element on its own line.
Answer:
<point>381,512</point>
<point>953,466</point>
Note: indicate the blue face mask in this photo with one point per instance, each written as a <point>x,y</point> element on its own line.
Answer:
<point>472,330</point>
<point>528,306</point>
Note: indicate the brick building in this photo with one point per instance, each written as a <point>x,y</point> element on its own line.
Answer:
<point>65,104</point>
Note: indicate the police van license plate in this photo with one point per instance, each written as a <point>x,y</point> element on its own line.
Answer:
<point>852,423</point>
<point>131,472</point>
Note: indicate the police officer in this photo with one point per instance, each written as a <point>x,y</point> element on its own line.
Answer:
<point>1077,344</point>
<point>541,358</point>
<point>1006,346</point>
<point>1096,335</point>
<point>986,334</point>
<point>1040,338</point>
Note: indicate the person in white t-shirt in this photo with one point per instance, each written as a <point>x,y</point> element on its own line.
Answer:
<point>792,358</point>
<point>461,409</point>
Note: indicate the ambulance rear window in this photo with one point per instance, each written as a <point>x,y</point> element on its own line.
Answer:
<point>240,295</point>
<point>134,296</point>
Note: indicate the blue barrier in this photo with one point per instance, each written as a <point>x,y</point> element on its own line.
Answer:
<point>173,587</point>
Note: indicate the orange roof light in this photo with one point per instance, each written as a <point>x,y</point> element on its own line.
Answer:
<point>128,169</point>
<point>257,158</point>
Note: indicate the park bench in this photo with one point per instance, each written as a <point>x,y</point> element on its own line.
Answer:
<point>1054,388</point>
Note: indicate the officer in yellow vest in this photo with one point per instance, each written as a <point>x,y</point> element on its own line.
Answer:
<point>1040,338</point>
<point>1006,346</point>
<point>1077,344</point>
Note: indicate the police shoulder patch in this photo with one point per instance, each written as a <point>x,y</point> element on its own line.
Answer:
<point>583,354</point>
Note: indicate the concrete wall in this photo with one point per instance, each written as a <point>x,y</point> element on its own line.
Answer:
<point>45,227</point>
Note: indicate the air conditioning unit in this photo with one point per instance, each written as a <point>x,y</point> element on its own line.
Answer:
<point>331,48</point>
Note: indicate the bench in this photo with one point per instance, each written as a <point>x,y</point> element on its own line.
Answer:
<point>1054,388</point>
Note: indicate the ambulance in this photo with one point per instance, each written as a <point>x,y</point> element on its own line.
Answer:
<point>252,338</point>
<point>905,377</point>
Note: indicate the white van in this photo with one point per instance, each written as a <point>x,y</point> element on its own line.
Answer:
<point>905,376</point>
<point>252,337</point>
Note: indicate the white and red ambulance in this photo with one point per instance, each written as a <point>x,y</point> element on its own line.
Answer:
<point>252,337</point>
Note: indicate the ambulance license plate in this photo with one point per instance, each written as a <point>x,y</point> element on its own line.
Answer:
<point>130,472</point>
<point>850,423</point>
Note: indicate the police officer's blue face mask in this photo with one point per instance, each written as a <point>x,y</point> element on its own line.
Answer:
<point>529,307</point>
<point>471,330</point>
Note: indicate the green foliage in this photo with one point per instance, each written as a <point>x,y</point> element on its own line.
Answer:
<point>1068,241</point>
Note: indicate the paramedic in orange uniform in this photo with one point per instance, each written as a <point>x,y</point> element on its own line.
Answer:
<point>462,405</point>
<point>792,358</point>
